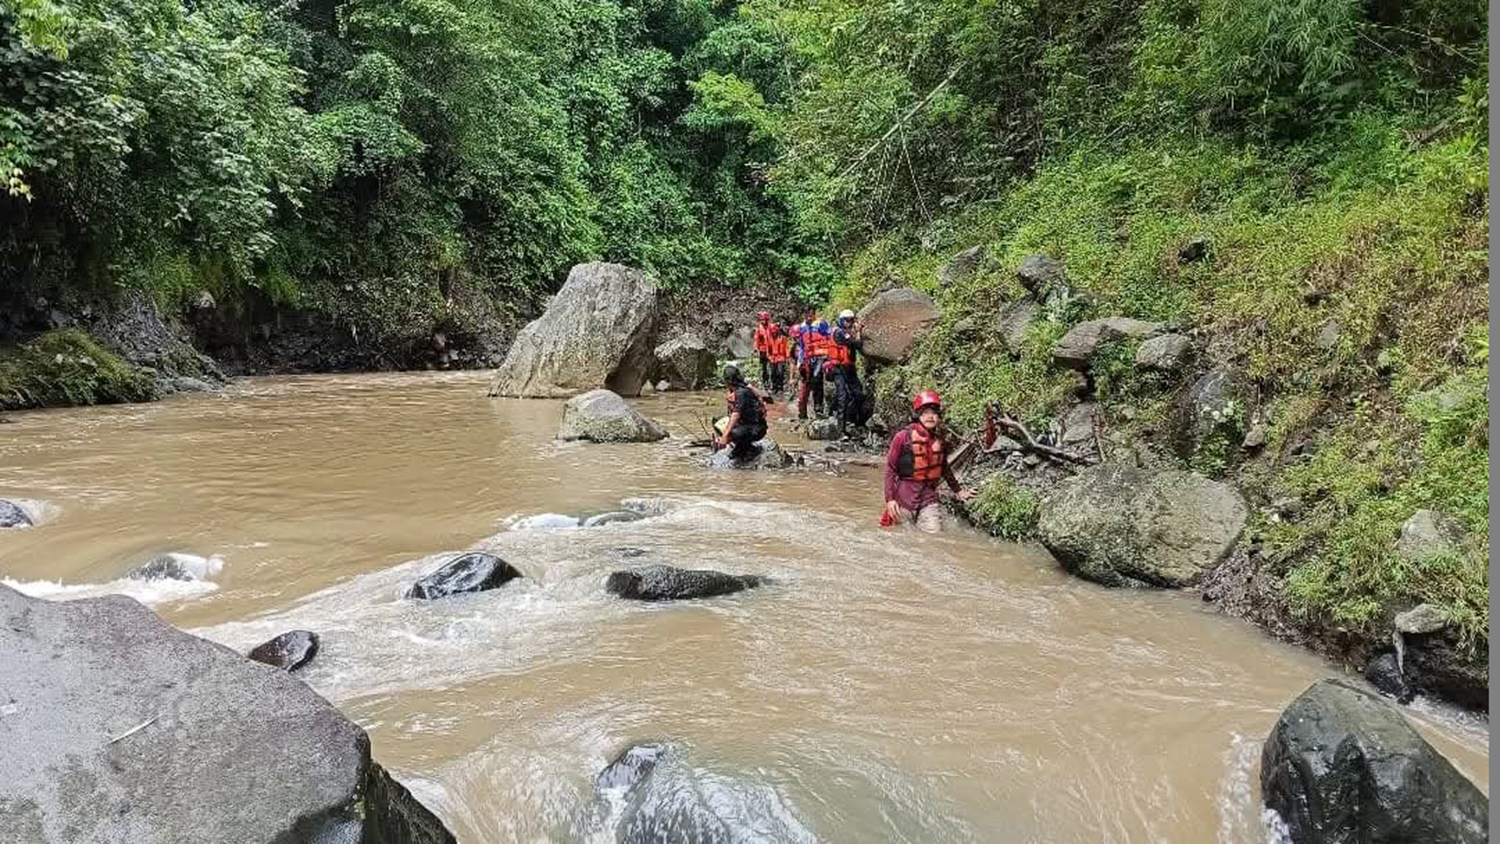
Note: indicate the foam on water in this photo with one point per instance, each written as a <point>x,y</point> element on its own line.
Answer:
<point>40,512</point>
<point>148,592</point>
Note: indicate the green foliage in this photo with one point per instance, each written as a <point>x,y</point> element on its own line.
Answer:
<point>65,368</point>
<point>1005,510</point>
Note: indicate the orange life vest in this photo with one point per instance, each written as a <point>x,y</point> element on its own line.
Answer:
<point>780,348</point>
<point>838,353</point>
<point>762,338</point>
<point>817,345</point>
<point>926,456</point>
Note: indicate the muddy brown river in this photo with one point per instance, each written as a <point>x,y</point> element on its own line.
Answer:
<point>885,687</point>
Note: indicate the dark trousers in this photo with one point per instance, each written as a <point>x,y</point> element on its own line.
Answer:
<point>765,369</point>
<point>849,396</point>
<point>778,376</point>
<point>812,383</point>
<point>742,439</point>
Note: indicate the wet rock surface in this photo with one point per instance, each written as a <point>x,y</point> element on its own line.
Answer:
<point>138,732</point>
<point>12,516</point>
<point>1343,767</point>
<point>603,417</point>
<point>666,583</point>
<point>469,573</point>
<point>289,651</point>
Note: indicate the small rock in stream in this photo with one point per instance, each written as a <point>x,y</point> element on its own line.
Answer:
<point>12,516</point>
<point>289,651</point>
<point>666,583</point>
<point>473,572</point>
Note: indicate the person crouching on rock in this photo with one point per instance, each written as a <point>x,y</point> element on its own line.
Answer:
<point>917,460</point>
<point>746,423</point>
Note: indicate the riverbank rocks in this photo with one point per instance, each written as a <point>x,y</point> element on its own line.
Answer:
<point>1119,525</point>
<point>1429,533</point>
<point>603,417</point>
<point>1385,674</point>
<point>136,731</point>
<point>961,266</point>
<point>1014,320</point>
<point>473,572</point>
<point>1040,274</point>
<point>12,516</point>
<point>1216,406</point>
<point>1166,353</point>
<point>822,428</point>
<point>894,321</point>
<point>1077,348</point>
<point>596,333</point>
<point>289,651</point>
<point>666,583</point>
<point>685,362</point>
<point>1341,767</point>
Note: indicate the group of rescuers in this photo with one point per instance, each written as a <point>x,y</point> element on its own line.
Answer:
<point>917,460</point>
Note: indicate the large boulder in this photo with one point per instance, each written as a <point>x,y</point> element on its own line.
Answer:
<point>1429,533</point>
<point>1040,274</point>
<point>473,572</point>
<point>1077,348</point>
<point>1341,767</point>
<point>893,321</point>
<point>603,417</point>
<point>596,333</point>
<point>666,583</point>
<point>768,455</point>
<point>289,651</point>
<point>961,266</point>
<point>685,361</point>
<point>1120,525</point>
<point>1166,353</point>
<point>1216,406</point>
<point>122,728</point>
<point>12,516</point>
<point>740,344</point>
<point>1013,321</point>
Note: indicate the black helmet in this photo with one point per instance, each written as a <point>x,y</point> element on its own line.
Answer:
<point>732,376</point>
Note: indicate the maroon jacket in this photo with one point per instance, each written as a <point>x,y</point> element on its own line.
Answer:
<point>911,495</point>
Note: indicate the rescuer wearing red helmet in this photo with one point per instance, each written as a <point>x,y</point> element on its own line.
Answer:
<point>917,460</point>
<point>763,345</point>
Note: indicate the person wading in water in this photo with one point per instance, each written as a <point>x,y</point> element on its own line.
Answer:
<point>746,423</point>
<point>917,460</point>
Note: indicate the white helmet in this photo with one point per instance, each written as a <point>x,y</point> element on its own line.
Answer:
<point>846,314</point>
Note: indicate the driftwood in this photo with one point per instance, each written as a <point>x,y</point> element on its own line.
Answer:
<point>1017,431</point>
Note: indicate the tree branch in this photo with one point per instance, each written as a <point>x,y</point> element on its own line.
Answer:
<point>905,117</point>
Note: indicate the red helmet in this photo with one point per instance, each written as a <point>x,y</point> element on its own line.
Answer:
<point>775,327</point>
<point>925,398</point>
<point>764,315</point>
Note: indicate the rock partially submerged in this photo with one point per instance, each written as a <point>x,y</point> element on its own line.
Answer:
<point>613,517</point>
<point>663,799</point>
<point>768,455</point>
<point>12,516</point>
<point>1119,525</point>
<point>174,566</point>
<point>289,651</point>
<point>473,572</point>
<point>603,417</point>
<point>596,333</point>
<point>1341,767</point>
<point>666,583</point>
<point>135,731</point>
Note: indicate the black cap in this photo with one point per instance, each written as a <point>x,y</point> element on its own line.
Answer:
<point>732,376</point>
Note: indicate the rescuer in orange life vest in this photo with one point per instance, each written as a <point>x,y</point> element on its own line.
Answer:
<point>763,345</point>
<point>917,460</point>
<point>781,349</point>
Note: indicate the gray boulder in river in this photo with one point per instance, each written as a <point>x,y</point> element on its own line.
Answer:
<point>473,572</point>
<point>603,417</point>
<point>119,727</point>
<point>768,455</point>
<point>597,332</point>
<point>665,583</point>
<point>1343,767</point>
<point>1119,525</point>
<point>12,516</point>
<point>660,798</point>
<point>289,651</point>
